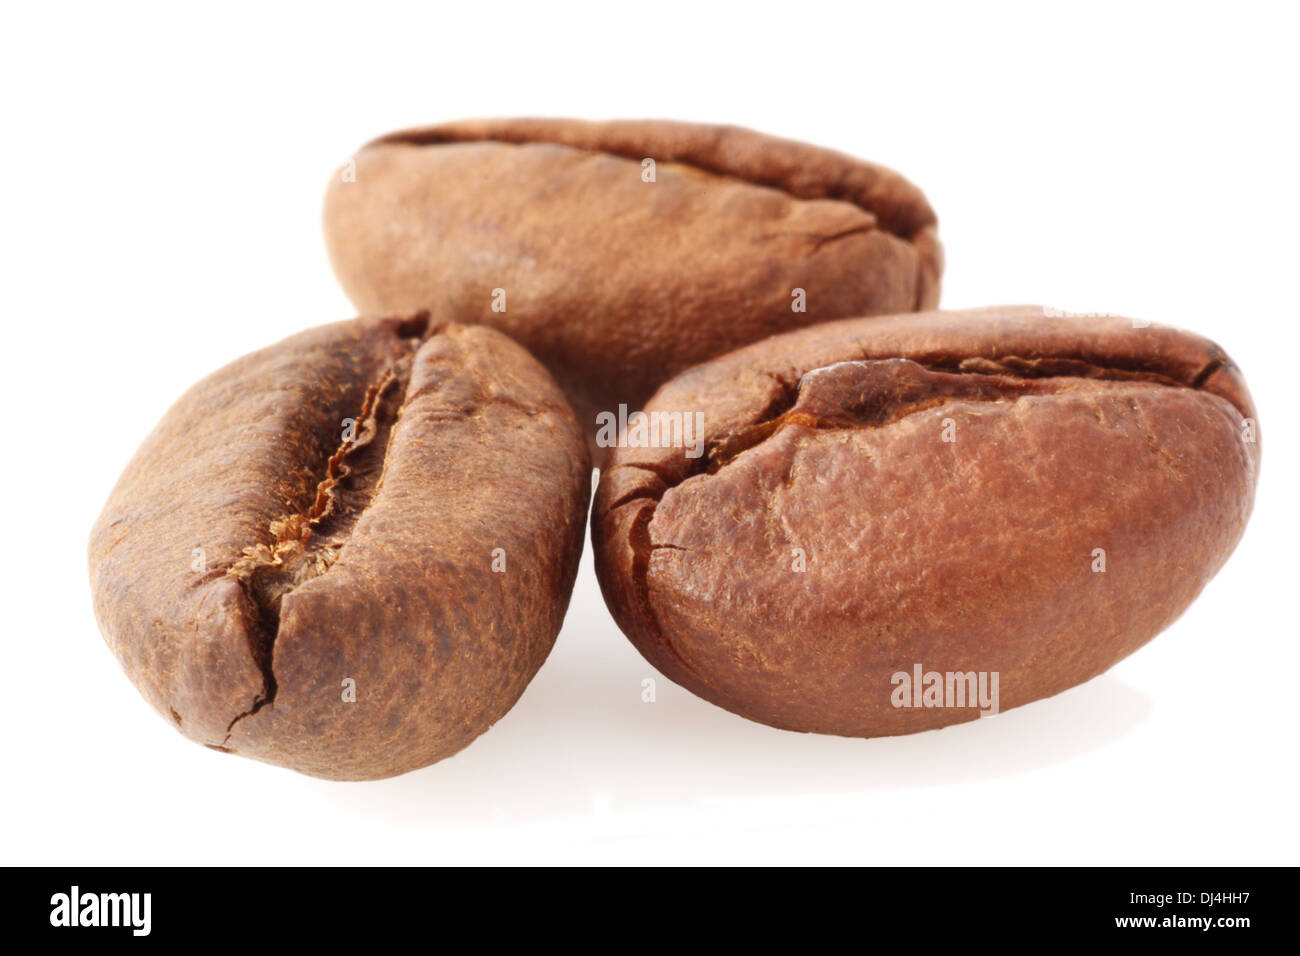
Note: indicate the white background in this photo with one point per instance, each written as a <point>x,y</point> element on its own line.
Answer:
<point>162,173</point>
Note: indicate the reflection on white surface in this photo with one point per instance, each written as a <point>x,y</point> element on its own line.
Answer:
<point>581,742</point>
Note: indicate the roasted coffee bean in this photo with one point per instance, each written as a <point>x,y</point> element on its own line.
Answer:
<point>901,523</point>
<point>347,553</point>
<point>622,253</point>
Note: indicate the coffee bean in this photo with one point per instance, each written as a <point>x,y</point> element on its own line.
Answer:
<point>1002,501</point>
<point>622,253</point>
<point>347,553</point>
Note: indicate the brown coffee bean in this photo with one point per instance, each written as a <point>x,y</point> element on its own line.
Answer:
<point>550,231</point>
<point>347,553</point>
<point>997,494</point>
